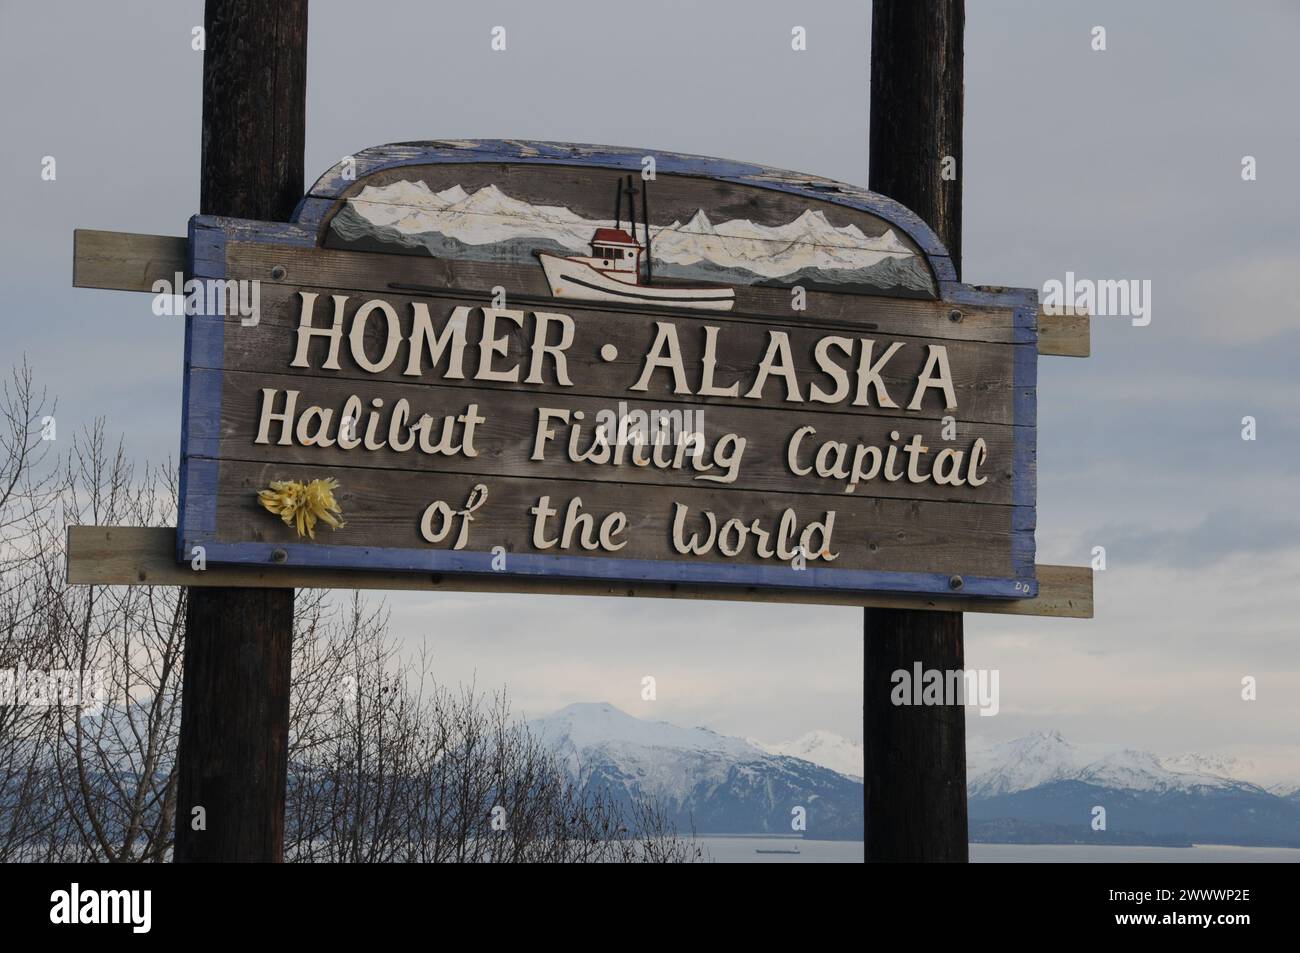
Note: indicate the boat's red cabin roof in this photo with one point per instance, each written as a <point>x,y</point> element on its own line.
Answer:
<point>614,236</point>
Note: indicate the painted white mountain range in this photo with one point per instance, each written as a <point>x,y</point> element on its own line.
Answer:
<point>487,224</point>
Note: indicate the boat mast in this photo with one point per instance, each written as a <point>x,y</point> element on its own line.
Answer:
<point>618,203</point>
<point>645,219</point>
<point>631,208</point>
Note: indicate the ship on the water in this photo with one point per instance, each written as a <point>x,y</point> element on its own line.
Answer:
<point>620,269</point>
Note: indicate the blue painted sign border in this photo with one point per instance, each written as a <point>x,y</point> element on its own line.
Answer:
<point>204,346</point>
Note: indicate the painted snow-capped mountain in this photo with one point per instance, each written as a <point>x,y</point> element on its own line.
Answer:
<point>822,747</point>
<point>489,225</point>
<point>712,783</point>
<point>1041,788</point>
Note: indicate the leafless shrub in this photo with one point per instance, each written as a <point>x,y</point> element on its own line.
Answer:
<point>385,764</point>
<point>396,768</point>
<point>24,730</point>
<point>99,762</point>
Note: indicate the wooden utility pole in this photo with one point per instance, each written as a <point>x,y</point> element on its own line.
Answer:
<point>232,760</point>
<point>915,788</point>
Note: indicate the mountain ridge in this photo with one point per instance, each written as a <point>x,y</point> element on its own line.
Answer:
<point>702,780</point>
<point>1042,789</point>
<point>1038,788</point>
<point>487,224</point>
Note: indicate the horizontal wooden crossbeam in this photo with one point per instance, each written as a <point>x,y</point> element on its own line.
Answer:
<point>146,556</point>
<point>126,261</point>
<point>1065,335</point>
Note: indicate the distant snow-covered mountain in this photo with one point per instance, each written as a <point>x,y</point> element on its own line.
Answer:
<point>587,725</point>
<point>489,225</point>
<point>1042,757</point>
<point>822,747</point>
<point>1018,765</point>
<point>1036,789</point>
<point>705,781</point>
<point>1042,783</point>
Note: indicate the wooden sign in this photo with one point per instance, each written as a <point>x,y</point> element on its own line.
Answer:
<point>523,359</point>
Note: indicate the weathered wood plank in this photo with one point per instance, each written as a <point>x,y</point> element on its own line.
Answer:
<point>146,556</point>
<point>982,373</point>
<point>425,275</point>
<point>504,442</point>
<point>1065,335</point>
<point>127,261</point>
<point>383,509</point>
<point>124,261</point>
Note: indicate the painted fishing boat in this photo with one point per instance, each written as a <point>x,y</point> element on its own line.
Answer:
<point>613,271</point>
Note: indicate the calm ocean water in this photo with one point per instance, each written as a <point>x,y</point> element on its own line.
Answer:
<point>1085,854</point>
<point>735,850</point>
<point>742,850</point>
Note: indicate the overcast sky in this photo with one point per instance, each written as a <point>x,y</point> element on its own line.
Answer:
<point>1117,164</point>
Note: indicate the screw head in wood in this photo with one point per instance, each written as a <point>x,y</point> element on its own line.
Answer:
<point>278,273</point>
<point>955,583</point>
<point>279,556</point>
<point>954,316</point>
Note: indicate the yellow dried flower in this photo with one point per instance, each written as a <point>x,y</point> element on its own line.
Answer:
<point>301,505</point>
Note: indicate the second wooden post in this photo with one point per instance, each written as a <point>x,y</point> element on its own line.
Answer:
<point>915,788</point>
